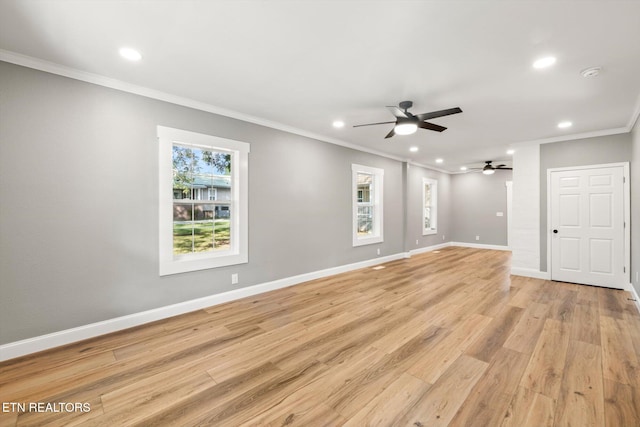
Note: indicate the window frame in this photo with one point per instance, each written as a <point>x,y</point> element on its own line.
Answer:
<point>434,206</point>
<point>169,263</point>
<point>377,203</point>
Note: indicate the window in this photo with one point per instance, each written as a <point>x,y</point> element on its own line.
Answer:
<point>429,206</point>
<point>367,185</point>
<point>199,230</point>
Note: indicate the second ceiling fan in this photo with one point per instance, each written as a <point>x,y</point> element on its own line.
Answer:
<point>407,123</point>
<point>489,169</point>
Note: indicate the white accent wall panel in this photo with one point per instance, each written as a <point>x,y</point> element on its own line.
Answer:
<point>526,209</point>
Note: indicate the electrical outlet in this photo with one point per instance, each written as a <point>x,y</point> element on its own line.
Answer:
<point>234,279</point>
<point>443,237</point>
<point>417,242</point>
<point>477,237</point>
<point>378,251</point>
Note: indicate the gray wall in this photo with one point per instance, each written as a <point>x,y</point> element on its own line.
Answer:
<point>415,174</point>
<point>635,207</point>
<point>476,198</point>
<point>579,152</point>
<point>79,210</point>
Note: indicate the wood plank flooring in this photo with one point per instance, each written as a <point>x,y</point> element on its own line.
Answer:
<point>445,338</point>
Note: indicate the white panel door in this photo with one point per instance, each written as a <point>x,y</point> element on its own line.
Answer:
<point>587,226</point>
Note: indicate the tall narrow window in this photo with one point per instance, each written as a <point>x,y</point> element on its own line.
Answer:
<point>367,185</point>
<point>199,230</point>
<point>430,206</point>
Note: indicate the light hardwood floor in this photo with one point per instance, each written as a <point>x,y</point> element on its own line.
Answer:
<point>442,338</point>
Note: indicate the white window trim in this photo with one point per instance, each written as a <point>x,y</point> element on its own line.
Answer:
<point>238,253</point>
<point>434,206</point>
<point>378,220</point>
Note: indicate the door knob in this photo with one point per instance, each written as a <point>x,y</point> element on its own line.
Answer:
<point>555,231</point>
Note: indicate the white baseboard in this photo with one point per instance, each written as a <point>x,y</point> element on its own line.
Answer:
<point>56,339</point>
<point>481,246</point>
<point>530,272</point>
<point>635,296</point>
<point>68,336</point>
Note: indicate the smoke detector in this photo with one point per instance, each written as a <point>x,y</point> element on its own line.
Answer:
<point>591,72</point>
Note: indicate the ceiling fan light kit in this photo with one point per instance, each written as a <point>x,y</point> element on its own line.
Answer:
<point>405,128</point>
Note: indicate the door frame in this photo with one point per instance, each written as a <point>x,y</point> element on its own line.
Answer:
<point>509,185</point>
<point>626,197</point>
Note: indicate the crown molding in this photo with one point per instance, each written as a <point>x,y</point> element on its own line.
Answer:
<point>634,117</point>
<point>429,167</point>
<point>100,80</point>
<point>574,136</point>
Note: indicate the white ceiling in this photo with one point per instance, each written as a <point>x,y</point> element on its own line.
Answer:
<point>303,64</point>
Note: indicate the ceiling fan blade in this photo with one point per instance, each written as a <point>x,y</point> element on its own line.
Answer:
<point>431,126</point>
<point>372,124</point>
<point>390,134</point>
<point>397,112</point>
<point>500,166</point>
<point>441,113</point>
<point>506,169</point>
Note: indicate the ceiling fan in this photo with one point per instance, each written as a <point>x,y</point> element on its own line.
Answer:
<point>408,123</point>
<point>489,169</point>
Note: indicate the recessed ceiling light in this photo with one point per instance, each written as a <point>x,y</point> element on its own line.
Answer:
<point>591,72</point>
<point>463,168</point>
<point>338,124</point>
<point>564,125</point>
<point>545,62</point>
<point>439,160</point>
<point>510,152</point>
<point>413,149</point>
<point>130,54</point>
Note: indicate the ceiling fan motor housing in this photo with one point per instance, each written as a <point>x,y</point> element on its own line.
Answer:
<point>405,105</point>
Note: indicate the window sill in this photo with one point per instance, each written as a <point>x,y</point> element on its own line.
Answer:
<point>367,241</point>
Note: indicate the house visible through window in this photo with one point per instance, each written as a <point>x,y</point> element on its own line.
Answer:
<point>430,205</point>
<point>197,174</point>
<point>367,205</point>
<point>204,222</point>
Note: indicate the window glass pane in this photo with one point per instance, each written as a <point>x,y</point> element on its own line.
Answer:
<point>365,220</point>
<point>203,236</point>
<point>183,166</point>
<point>222,184</point>
<point>222,228</point>
<point>182,228</point>
<point>427,218</point>
<point>365,184</point>
<point>427,206</point>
